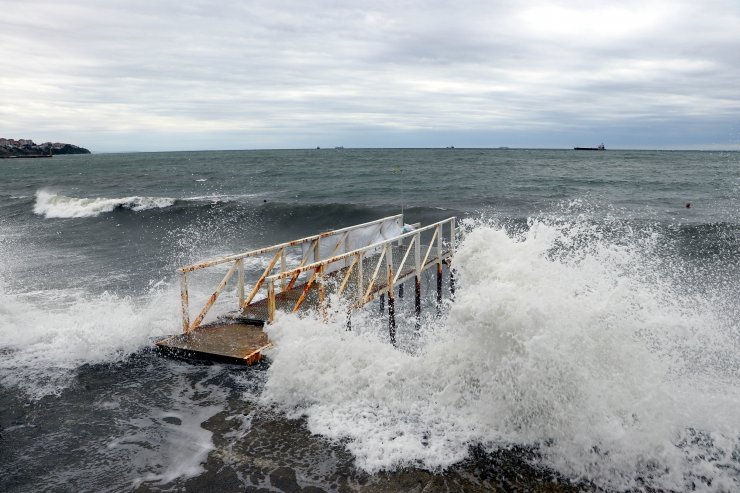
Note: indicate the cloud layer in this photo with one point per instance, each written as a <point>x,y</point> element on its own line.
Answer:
<point>139,75</point>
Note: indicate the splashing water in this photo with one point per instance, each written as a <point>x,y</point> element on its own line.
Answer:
<point>579,347</point>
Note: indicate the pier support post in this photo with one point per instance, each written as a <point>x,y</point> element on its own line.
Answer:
<point>391,293</point>
<point>392,317</point>
<point>400,291</point>
<point>382,303</point>
<point>417,301</point>
<point>439,288</point>
<point>452,280</point>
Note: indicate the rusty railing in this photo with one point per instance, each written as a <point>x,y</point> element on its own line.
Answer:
<point>279,255</point>
<point>381,254</point>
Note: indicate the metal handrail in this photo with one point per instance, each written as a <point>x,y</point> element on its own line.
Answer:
<point>366,294</point>
<point>343,256</point>
<point>231,258</point>
<point>238,267</point>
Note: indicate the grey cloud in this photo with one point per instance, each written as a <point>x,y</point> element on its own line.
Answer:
<point>273,71</point>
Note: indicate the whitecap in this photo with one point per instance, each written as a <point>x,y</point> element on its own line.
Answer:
<point>52,205</point>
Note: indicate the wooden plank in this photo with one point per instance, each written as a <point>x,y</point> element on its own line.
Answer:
<point>232,342</point>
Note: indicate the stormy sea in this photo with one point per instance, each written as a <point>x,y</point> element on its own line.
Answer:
<point>593,343</point>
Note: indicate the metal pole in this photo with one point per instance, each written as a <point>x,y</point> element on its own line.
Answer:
<point>391,298</point>
<point>271,301</point>
<point>417,281</point>
<point>322,296</point>
<point>452,280</point>
<point>184,301</point>
<point>282,269</point>
<point>417,301</point>
<point>240,282</point>
<point>439,288</point>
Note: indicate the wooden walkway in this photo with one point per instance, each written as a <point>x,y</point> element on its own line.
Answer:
<point>230,342</point>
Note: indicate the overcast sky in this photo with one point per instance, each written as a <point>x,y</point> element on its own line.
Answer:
<point>144,75</point>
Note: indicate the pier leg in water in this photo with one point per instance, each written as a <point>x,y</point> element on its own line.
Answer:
<point>452,280</point>
<point>392,317</point>
<point>400,291</point>
<point>417,301</point>
<point>382,303</point>
<point>439,289</point>
<point>349,319</point>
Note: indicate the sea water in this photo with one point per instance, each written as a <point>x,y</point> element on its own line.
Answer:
<point>594,339</point>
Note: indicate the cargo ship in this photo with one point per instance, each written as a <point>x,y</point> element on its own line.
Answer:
<point>599,148</point>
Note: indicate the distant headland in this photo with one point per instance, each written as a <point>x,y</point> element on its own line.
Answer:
<point>27,148</point>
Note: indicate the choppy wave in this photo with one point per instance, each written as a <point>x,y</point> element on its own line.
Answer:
<point>560,341</point>
<point>43,343</point>
<point>51,205</point>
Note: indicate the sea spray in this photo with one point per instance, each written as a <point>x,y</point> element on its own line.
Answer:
<point>43,341</point>
<point>560,340</point>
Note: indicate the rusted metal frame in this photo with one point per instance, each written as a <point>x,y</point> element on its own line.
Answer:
<point>271,301</point>
<point>322,294</point>
<point>282,269</point>
<point>369,294</point>
<point>184,301</point>
<point>231,258</point>
<point>212,299</point>
<point>298,273</point>
<point>240,281</point>
<point>384,289</point>
<point>431,244</point>
<point>375,275</point>
<point>360,276</point>
<point>301,269</point>
<point>305,289</point>
<point>408,251</point>
<point>262,278</point>
<point>342,240</point>
<point>346,277</point>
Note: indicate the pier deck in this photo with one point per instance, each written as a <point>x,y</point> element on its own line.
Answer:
<point>231,342</point>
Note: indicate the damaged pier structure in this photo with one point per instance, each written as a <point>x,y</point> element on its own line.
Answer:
<point>356,265</point>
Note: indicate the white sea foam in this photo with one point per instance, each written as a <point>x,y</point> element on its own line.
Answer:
<point>52,205</point>
<point>576,348</point>
<point>43,343</point>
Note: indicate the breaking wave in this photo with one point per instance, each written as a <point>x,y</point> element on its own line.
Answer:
<point>574,346</point>
<point>51,205</point>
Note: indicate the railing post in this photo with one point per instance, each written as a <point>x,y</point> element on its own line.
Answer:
<point>452,237</point>
<point>271,301</point>
<point>240,282</point>
<point>282,269</point>
<point>391,297</point>
<point>184,301</point>
<point>322,294</point>
<point>360,282</point>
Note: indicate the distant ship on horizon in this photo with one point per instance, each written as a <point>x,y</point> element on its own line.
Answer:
<point>599,148</point>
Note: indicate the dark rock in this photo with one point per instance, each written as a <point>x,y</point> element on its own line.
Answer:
<point>10,148</point>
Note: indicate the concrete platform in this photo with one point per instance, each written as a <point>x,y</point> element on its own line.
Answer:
<point>237,342</point>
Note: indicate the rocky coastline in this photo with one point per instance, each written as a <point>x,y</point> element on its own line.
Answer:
<point>26,148</point>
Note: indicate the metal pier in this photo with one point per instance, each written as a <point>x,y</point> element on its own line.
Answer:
<point>356,264</point>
